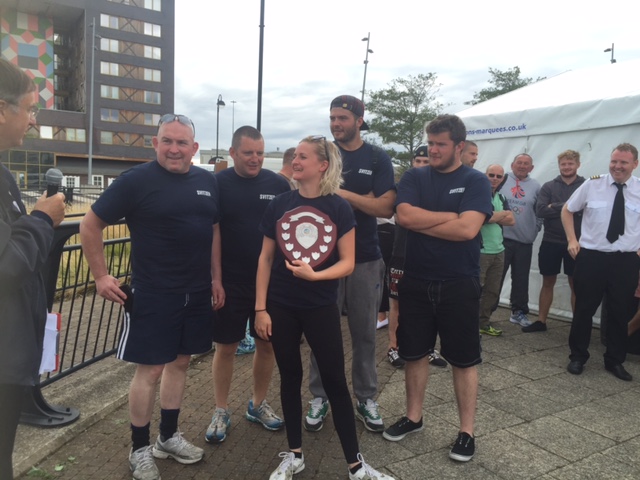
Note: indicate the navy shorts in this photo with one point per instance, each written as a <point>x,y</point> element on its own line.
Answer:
<point>551,256</point>
<point>230,322</point>
<point>162,326</point>
<point>449,308</point>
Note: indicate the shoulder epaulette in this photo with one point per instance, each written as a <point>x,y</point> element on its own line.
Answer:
<point>595,177</point>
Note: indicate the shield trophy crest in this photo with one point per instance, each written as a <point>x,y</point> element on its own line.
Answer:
<point>305,233</point>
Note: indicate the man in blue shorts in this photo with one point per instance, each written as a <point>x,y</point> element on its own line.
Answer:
<point>244,193</point>
<point>369,189</point>
<point>170,209</point>
<point>443,207</point>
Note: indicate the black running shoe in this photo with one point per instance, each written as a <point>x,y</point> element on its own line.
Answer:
<point>463,448</point>
<point>401,429</point>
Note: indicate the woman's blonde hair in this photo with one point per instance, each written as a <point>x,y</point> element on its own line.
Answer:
<point>332,177</point>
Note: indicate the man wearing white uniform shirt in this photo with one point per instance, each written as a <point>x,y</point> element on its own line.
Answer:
<point>606,258</point>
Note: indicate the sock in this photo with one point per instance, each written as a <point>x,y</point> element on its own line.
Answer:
<point>297,454</point>
<point>168,423</point>
<point>140,436</point>
<point>356,468</point>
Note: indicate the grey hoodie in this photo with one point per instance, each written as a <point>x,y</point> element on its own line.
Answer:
<point>522,196</point>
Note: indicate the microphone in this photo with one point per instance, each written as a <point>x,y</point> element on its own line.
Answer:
<point>53,177</point>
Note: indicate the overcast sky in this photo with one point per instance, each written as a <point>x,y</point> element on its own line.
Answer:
<point>313,52</point>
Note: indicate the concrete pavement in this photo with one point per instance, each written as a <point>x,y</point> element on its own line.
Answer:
<point>535,421</point>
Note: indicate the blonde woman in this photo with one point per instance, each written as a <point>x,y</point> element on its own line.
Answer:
<point>309,243</point>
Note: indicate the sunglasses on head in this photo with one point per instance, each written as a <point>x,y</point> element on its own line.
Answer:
<point>317,138</point>
<point>183,119</point>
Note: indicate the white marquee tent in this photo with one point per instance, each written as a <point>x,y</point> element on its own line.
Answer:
<point>590,110</point>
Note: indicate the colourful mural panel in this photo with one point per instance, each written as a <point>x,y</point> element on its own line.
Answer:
<point>27,41</point>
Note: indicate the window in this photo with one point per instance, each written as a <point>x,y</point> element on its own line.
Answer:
<point>109,114</point>
<point>97,180</point>
<point>152,75</point>
<point>152,29</point>
<point>75,134</point>
<point>152,97</point>
<point>109,91</point>
<point>109,45</point>
<point>46,132</point>
<point>106,138</point>
<point>153,5</point>
<point>108,68</point>
<point>148,141</point>
<point>151,119</point>
<point>152,52</point>
<point>108,21</point>
<point>71,182</point>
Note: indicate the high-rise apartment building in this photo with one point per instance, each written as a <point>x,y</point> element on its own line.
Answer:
<point>104,70</point>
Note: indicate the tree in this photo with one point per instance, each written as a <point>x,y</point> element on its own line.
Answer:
<point>401,111</point>
<point>502,82</point>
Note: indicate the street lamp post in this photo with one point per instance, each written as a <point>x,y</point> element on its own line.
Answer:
<point>366,62</point>
<point>613,60</point>
<point>233,117</point>
<point>91,101</point>
<point>218,105</point>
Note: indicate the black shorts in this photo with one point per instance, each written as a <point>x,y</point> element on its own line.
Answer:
<point>230,322</point>
<point>394,273</point>
<point>551,256</point>
<point>162,326</point>
<point>447,308</point>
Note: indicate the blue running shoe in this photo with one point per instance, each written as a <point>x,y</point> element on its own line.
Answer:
<point>220,425</point>
<point>265,415</point>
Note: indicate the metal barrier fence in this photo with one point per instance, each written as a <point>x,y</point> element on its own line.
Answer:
<point>80,198</point>
<point>90,326</point>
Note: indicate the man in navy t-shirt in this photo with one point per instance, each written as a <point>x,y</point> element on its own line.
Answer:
<point>170,209</point>
<point>369,189</point>
<point>443,206</point>
<point>245,191</point>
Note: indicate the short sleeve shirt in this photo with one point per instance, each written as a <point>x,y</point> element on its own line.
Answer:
<point>596,197</point>
<point>242,202</point>
<point>365,171</point>
<point>170,217</point>
<point>284,288</point>
<point>464,189</point>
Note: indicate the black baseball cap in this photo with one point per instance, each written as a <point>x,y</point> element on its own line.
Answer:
<point>353,104</point>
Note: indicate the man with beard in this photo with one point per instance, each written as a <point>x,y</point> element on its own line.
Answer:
<point>443,207</point>
<point>369,189</point>
<point>469,155</point>
<point>553,249</point>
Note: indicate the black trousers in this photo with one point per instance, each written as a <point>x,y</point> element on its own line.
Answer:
<point>321,328</point>
<point>518,256</point>
<point>595,274</point>
<point>11,397</point>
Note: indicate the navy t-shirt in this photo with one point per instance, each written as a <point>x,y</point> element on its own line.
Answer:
<point>242,202</point>
<point>284,288</point>
<point>361,176</point>
<point>170,217</point>
<point>464,189</point>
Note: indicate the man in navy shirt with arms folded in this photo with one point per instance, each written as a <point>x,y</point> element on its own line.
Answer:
<point>443,206</point>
